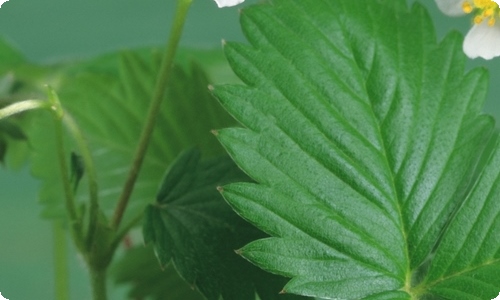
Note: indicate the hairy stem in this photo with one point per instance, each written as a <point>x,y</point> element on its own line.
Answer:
<point>154,108</point>
<point>123,232</point>
<point>91,175</point>
<point>68,192</point>
<point>22,106</point>
<point>61,273</point>
<point>98,283</point>
<point>64,118</point>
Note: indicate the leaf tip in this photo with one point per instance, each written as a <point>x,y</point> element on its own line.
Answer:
<point>220,189</point>
<point>216,133</point>
<point>211,88</point>
<point>282,292</point>
<point>239,251</point>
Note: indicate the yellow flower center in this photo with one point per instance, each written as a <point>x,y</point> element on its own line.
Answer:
<point>483,10</point>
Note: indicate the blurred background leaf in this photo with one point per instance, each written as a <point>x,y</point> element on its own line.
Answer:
<point>109,100</point>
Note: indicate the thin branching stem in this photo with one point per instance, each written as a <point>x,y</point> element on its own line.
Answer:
<point>162,83</point>
<point>98,281</point>
<point>64,118</point>
<point>65,179</point>
<point>124,230</point>
<point>61,269</point>
<point>22,106</point>
<point>88,162</point>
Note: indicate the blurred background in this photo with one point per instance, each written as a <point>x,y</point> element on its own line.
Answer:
<point>51,31</point>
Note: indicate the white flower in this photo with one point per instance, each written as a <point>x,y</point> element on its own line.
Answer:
<point>2,2</point>
<point>483,40</point>
<point>452,8</point>
<point>227,3</point>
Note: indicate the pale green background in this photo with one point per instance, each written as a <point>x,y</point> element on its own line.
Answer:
<point>51,30</point>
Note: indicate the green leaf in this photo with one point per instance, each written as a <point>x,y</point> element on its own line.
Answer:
<point>369,149</point>
<point>109,100</point>
<point>10,133</point>
<point>19,80</point>
<point>139,268</point>
<point>77,169</point>
<point>9,56</point>
<point>191,226</point>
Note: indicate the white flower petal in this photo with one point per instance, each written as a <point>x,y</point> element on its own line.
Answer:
<point>483,41</point>
<point>451,7</point>
<point>227,3</point>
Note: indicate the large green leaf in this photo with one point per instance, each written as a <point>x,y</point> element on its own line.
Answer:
<point>368,145</point>
<point>191,226</point>
<point>109,99</point>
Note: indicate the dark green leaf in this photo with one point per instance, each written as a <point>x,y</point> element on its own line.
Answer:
<point>77,169</point>
<point>139,268</point>
<point>10,132</point>
<point>3,149</point>
<point>365,137</point>
<point>192,226</point>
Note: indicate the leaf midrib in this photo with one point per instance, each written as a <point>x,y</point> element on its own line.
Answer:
<point>371,111</point>
<point>345,156</point>
<point>397,203</point>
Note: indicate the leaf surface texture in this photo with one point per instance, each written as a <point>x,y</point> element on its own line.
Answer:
<point>371,156</point>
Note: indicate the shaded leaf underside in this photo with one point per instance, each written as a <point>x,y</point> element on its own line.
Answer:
<point>364,135</point>
<point>192,226</point>
<point>139,268</point>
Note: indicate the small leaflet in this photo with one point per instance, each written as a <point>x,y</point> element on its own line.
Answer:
<point>1,297</point>
<point>2,2</point>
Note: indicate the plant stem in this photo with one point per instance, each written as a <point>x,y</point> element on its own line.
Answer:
<point>60,262</point>
<point>154,108</point>
<point>19,107</point>
<point>61,154</point>
<point>123,232</point>
<point>98,282</point>
<point>68,193</point>
<point>62,117</point>
<point>91,175</point>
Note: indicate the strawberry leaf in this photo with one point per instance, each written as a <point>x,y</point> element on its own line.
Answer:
<point>377,173</point>
<point>192,227</point>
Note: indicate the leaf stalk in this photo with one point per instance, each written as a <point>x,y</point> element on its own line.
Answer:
<point>22,106</point>
<point>98,281</point>
<point>82,144</point>
<point>60,262</point>
<point>163,81</point>
<point>69,197</point>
